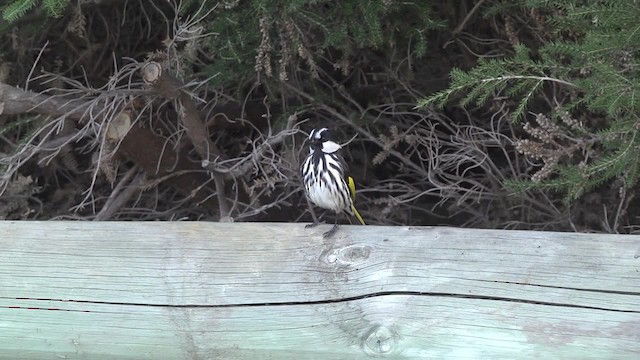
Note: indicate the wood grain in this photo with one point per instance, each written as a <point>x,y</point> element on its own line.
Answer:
<point>399,327</point>
<point>262,290</point>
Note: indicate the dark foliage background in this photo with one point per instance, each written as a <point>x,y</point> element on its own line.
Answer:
<point>495,114</point>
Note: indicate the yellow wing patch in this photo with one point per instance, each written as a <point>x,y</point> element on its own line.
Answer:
<point>352,187</point>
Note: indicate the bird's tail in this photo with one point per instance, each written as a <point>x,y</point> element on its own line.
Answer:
<point>357,214</point>
<point>352,192</point>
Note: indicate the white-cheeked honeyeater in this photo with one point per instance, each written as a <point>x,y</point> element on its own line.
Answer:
<point>326,179</point>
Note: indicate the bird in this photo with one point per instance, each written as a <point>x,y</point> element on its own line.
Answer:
<point>326,178</point>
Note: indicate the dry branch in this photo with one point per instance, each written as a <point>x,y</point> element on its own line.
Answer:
<point>140,145</point>
<point>15,101</point>
<point>171,88</point>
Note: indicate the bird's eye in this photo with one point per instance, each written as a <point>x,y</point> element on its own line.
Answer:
<point>326,135</point>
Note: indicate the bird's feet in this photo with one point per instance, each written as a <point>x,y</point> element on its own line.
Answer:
<point>314,224</point>
<point>330,233</point>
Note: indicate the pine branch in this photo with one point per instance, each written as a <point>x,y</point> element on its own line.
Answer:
<point>17,9</point>
<point>55,7</point>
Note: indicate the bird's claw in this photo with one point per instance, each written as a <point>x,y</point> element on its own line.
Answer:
<point>331,232</point>
<point>312,225</point>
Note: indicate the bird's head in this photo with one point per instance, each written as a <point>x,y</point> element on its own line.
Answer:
<point>322,139</point>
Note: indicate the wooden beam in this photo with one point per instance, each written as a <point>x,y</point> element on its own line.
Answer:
<point>194,290</point>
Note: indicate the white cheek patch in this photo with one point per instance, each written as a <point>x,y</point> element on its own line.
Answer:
<point>317,134</point>
<point>329,147</point>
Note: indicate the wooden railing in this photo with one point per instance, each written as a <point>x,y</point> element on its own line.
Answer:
<point>197,290</point>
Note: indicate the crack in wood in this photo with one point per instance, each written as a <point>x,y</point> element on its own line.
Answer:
<point>601,291</point>
<point>334,301</point>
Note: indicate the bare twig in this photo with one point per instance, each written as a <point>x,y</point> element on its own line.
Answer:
<point>466,19</point>
<point>243,165</point>
<point>121,194</point>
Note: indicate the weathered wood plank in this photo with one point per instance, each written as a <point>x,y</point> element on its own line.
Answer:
<point>207,290</point>
<point>213,264</point>
<point>407,327</point>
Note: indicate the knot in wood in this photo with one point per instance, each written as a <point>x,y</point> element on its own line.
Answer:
<point>380,341</point>
<point>349,255</point>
